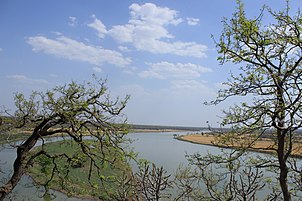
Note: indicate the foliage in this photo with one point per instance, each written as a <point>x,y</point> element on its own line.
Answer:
<point>226,177</point>
<point>269,78</point>
<point>72,176</point>
<point>73,110</point>
<point>187,184</point>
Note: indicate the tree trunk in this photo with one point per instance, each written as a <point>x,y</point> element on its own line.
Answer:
<point>281,135</point>
<point>19,166</point>
<point>283,166</point>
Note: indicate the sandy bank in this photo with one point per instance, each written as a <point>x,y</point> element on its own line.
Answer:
<point>262,145</point>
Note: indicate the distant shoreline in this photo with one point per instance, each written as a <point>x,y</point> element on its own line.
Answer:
<point>154,130</point>
<point>159,128</point>
<point>260,146</point>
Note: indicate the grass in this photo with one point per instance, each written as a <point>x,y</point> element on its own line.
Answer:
<point>71,177</point>
<point>9,138</point>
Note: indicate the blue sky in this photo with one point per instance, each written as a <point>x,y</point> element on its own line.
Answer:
<point>160,52</point>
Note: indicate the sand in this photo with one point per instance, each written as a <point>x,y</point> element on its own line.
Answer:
<point>262,145</point>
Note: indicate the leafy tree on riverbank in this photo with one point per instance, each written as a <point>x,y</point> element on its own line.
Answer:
<point>270,58</point>
<point>74,110</point>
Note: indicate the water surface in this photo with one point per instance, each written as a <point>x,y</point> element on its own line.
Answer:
<point>160,148</point>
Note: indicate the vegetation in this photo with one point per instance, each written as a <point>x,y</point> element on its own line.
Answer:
<point>270,57</point>
<point>152,183</point>
<point>74,177</point>
<point>74,110</point>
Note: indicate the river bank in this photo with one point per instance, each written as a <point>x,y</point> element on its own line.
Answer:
<point>263,145</point>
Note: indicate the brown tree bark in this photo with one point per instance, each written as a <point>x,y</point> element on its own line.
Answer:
<point>283,167</point>
<point>19,165</point>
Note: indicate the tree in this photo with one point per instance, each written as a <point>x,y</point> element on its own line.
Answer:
<point>151,183</point>
<point>270,57</point>
<point>226,178</point>
<point>73,110</point>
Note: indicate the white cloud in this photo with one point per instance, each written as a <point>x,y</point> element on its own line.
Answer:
<point>97,69</point>
<point>192,21</point>
<point>123,48</point>
<point>57,33</point>
<point>67,48</point>
<point>122,33</point>
<point>150,13</point>
<point>72,21</point>
<point>190,87</point>
<point>188,84</point>
<point>131,70</point>
<point>26,80</point>
<point>163,70</point>
<point>147,31</point>
<point>177,48</point>
<point>135,90</point>
<point>98,26</point>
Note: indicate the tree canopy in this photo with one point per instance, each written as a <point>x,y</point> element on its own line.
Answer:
<point>74,111</point>
<point>269,56</point>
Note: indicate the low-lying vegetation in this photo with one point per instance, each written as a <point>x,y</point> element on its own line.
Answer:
<point>76,177</point>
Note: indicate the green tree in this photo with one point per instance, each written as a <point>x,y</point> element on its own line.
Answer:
<point>73,110</point>
<point>269,56</point>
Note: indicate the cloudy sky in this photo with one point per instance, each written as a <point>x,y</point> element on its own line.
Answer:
<point>160,52</point>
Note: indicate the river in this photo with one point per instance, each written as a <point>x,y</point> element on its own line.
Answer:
<point>160,148</point>
<point>163,150</point>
